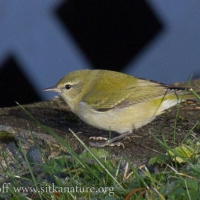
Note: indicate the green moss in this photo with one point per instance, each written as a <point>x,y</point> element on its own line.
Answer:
<point>6,137</point>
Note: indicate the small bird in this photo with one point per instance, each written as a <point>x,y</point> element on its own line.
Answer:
<point>115,101</point>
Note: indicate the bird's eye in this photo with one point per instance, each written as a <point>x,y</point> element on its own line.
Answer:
<point>68,86</point>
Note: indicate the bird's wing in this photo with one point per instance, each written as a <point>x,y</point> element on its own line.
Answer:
<point>107,99</point>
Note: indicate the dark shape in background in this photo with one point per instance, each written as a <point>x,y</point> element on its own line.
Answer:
<point>110,33</point>
<point>14,86</point>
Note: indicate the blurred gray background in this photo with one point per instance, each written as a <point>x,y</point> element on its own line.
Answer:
<point>40,41</point>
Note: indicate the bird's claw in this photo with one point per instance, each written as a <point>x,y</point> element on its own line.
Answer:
<point>98,138</point>
<point>106,144</point>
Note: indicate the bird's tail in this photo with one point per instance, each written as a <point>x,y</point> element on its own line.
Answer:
<point>184,93</point>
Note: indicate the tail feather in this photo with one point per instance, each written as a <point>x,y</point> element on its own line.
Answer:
<point>184,93</point>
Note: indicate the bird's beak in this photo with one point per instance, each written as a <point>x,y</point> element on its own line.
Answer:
<point>52,89</point>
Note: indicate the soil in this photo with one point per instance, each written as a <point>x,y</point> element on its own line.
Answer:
<point>15,123</point>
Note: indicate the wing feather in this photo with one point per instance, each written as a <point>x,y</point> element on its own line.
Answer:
<point>142,91</point>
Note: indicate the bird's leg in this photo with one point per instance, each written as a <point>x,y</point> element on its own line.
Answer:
<point>110,142</point>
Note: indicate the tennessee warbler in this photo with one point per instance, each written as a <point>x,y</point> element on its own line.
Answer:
<point>115,101</point>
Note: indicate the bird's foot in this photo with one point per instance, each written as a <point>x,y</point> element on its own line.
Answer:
<point>106,144</point>
<point>110,142</point>
<point>98,138</point>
